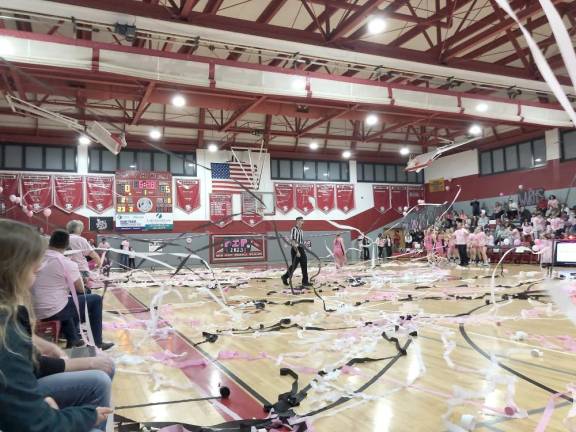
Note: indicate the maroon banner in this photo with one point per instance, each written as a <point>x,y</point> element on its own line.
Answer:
<point>304,197</point>
<point>36,192</point>
<point>415,193</point>
<point>221,208</point>
<point>188,194</point>
<point>399,198</point>
<point>68,192</point>
<point>99,193</point>
<point>251,209</point>
<point>325,197</point>
<point>9,184</point>
<point>345,197</point>
<point>381,198</point>
<point>230,248</point>
<point>284,196</point>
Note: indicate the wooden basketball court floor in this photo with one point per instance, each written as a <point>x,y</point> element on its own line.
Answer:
<point>465,361</point>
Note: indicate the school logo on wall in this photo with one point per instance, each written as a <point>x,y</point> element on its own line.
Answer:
<point>101,223</point>
<point>227,248</point>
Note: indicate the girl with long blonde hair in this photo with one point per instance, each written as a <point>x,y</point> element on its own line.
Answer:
<point>22,407</point>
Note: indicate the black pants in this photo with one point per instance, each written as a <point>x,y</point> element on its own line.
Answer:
<point>380,251</point>
<point>388,251</point>
<point>132,263</point>
<point>462,251</point>
<point>302,260</point>
<point>365,253</point>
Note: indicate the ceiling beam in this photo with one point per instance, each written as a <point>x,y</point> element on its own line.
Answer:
<point>327,119</point>
<point>357,18</point>
<point>392,128</point>
<point>144,103</point>
<point>489,32</point>
<point>422,27</point>
<point>212,6</point>
<point>238,114</point>
<point>187,8</point>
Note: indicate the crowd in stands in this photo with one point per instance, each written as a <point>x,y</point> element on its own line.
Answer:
<point>42,387</point>
<point>465,237</point>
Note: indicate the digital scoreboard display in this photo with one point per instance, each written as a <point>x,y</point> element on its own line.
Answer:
<point>144,200</point>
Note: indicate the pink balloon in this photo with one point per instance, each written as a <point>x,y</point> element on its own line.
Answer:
<point>501,193</point>
<point>1,189</point>
<point>537,242</point>
<point>29,213</point>
<point>12,198</point>
<point>447,188</point>
<point>47,212</point>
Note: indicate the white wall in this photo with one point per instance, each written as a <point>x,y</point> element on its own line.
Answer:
<point>465,163</point>
<point>457,165</point>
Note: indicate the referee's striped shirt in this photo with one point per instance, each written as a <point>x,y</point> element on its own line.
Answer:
<point>297,235</point>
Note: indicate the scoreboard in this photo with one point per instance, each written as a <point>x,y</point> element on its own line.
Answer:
<point>144,200</point>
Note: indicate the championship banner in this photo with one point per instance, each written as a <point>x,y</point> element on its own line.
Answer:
<point>325,199</point>
<point>304,194</point>
<point>231,248</point>
<point>221,208</point>
<point>398,197</point>
<point>251,209</point>
<point>284,196</point>
<point>345,197</point>
<point>99,193</point>
<point>36,192</point>
<point>415,193</point>
<point>68,192</point>
<point>188,194</point>
<point>437,185</point>
<point>381,196</point>
<point>9,184</point>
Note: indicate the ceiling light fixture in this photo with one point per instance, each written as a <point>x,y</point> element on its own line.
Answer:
<point>346,154</point>
<point>371,119</point>
<point>155,134</point>
<point>475,130</point>
<point>404,151</point>
<point>212,148</point>
<point>313,145</point>
<point>84,140</point>
<point>376,25</point>
<point>178,101</point>
<point>482,107</point>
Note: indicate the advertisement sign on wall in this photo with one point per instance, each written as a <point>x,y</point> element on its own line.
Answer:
<point>237,248</point>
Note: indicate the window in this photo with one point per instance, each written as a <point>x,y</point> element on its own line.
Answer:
<point>310,170</point>
<point>569,145</point>
<point>526,155</point>
<point>385,173</point>
<point>24,157</point>
<point>180,164</point>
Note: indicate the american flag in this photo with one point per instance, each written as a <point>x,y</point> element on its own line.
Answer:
<point>229,176</point>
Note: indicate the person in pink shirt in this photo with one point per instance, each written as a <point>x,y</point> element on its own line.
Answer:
<point>125,246</point>
<point>538,225</point>
<point>527,231</point>
<point>472,247</point>
<point>461,241</point>
<point>557,225</point>
<point>481,241</point>
<point>428,242</point>
<point>57,278</point>
<point>80,244</point>
<point>339,251</point>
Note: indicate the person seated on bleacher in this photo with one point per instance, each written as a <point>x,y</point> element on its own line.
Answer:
<point>50,294</point>
<point>80,244</point>
<point>23,406</point>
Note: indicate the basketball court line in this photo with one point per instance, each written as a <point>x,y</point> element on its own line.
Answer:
<point>242,401</point>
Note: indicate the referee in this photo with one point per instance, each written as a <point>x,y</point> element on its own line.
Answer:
<point>297,253</point>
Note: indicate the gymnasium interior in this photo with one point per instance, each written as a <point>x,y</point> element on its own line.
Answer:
<point>304,215</point>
